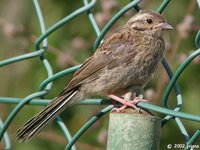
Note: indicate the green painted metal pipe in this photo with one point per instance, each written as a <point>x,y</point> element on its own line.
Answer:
<point>133,130</point>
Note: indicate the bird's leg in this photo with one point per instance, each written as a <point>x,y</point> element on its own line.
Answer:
<point>123,101</point>
<point>127,102</point>
<point>135,96</point>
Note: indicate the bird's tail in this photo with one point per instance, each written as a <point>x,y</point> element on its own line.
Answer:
<point>47,115</point>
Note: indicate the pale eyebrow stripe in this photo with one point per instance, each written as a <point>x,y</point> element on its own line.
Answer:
<point>140,17</point>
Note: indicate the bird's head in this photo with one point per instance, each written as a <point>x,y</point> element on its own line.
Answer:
<point>148,21</point>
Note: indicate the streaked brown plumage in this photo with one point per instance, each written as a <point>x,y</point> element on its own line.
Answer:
<point>122,65</point>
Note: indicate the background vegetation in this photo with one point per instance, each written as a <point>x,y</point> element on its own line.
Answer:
<point>71,45</point>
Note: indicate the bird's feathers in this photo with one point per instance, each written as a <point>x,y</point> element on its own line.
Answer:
<point>38,122</point>
<point>107,56</point>
<point>126,59</point>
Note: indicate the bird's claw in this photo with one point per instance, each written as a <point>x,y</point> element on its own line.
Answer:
<point>126,104</point>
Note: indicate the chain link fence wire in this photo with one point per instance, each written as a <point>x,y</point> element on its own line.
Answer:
<point>41,48</point>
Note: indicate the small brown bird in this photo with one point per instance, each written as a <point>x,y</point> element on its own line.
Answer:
<point>121,66</point>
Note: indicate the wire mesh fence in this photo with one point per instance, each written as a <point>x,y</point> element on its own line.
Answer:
<point>41,49</point>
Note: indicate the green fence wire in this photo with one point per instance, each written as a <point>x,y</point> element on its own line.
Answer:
<point>41,48</point>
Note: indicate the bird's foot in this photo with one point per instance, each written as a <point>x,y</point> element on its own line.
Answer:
<point>125,103</point>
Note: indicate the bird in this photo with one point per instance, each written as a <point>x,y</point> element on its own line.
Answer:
<point>119,69</point>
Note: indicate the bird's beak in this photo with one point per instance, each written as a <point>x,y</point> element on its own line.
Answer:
<point>164,26</point>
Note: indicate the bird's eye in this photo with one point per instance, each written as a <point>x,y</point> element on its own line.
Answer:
<point>149,21</point>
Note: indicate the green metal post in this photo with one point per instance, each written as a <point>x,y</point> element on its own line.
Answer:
<point>133,130</point>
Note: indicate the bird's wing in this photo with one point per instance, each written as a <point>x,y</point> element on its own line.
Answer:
<point>110,56</point>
